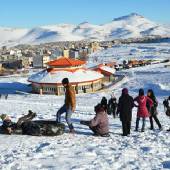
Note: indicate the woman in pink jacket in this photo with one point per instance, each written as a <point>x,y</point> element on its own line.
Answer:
<point>142,109</point>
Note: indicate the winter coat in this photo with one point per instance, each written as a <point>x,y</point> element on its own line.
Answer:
<point>125,106</point>
<point>153,109</point>
<point>104,103</point>
<point>100,122</point>
<point>142,109</point>
<point>8,124</point>
<point>112,104</point>
<point>70,98</point>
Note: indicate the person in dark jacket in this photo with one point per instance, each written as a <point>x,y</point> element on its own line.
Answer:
<point>153,110</point>
<point>99,124</point>
<point>112,106</point>
<point>167,108</point>
<point>104,103</point>
<point>125,106</point>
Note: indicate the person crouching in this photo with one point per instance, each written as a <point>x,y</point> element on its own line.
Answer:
<point>99,124</point>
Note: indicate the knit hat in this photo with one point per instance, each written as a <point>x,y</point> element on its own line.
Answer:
<point>65,81</point>
<point>125,91</point>
<point>141,92</point>
<point>3,116</point>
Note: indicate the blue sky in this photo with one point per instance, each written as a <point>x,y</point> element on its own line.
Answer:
<point>32,13</point>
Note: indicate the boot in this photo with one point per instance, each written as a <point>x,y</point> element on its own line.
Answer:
<point>26,118</point>
<point>71,129</point>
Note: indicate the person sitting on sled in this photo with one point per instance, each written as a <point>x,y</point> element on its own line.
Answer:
<point>9,126</point>
<point>99,124</point>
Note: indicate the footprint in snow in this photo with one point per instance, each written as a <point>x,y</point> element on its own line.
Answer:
<point>145,149</point>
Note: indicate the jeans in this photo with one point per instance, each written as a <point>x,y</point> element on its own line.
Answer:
<point>156,120</point>
<point>143,123</point>
<point>68,112</point>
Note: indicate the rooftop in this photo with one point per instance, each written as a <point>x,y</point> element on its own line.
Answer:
<point>66,62</point>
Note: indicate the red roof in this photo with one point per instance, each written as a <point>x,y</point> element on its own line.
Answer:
<point>53,70</point>
<point>64,61</point>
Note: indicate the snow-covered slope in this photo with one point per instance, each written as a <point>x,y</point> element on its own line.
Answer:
<point>83,151</point>
<point>130,26</point>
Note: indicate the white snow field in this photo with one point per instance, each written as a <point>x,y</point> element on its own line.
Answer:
<point>83,151</point>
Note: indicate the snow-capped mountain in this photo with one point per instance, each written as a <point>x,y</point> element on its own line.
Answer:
<point>11,35</point>
<point>129,26</point>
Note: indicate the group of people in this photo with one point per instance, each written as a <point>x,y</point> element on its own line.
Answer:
<point>146,107</point>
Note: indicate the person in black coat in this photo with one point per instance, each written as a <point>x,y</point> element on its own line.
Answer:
<point>167,107</point>
<point>112,106</point>
<point>104,103</point>
<point>125,106</point>
<point>153,110</point>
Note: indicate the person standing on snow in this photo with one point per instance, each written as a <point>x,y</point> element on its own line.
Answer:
<point>153,110</point>
<point>112,105</point>
<point>104,103</point>
<point>125,106</point>
<point>142,109</point>
<point>167,108</point>
<point>69,105</point>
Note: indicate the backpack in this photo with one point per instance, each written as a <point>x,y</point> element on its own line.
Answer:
<point>30,128</point>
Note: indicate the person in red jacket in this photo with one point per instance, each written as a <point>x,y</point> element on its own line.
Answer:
<point>142,109</point>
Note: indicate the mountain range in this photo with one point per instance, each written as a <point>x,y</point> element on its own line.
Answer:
<point>129,26</point>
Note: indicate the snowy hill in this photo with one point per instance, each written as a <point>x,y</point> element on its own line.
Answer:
<point>141,150</point>
<point>129,26</point>
<point>11,35</point>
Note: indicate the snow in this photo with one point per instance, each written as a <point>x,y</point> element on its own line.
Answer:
<point>130,26</point>
<point>80,75</point>
<point>156,51</point>
<point>108,69</point>
<point>83,151</point>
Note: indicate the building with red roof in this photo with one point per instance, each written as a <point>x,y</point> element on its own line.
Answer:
<point>48,81</point>
<point>64,62</point>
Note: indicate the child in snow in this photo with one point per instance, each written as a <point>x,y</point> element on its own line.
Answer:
<point>99,124</point>
<point>9,126</point>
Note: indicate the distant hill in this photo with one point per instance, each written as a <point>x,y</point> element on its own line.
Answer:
<point>129,26</point>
